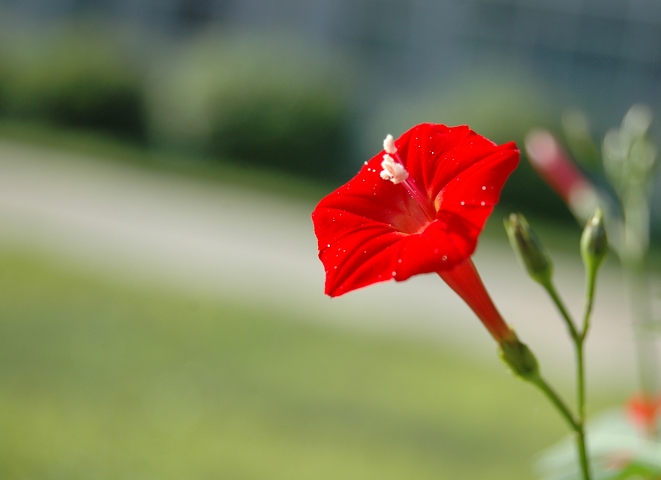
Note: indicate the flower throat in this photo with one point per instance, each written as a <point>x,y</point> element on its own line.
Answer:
<point>394,170</point>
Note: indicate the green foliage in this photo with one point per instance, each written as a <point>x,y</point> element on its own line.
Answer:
<point>296,130</point>
<point>258,101</point>
<point>72,78</point>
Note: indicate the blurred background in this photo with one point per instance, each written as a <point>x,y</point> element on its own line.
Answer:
<point>162,308</point>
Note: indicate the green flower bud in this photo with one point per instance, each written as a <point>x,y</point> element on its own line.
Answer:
<point>519,358</point>
<point>637,120</point>
<point>594,243</point>
<point>529,248</point>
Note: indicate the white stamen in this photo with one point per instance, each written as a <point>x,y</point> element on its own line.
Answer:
<point>393,171</point>
<point>389,145</point>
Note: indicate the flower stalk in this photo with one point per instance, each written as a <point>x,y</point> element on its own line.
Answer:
<point>628,157</point>
<point>536,259</point>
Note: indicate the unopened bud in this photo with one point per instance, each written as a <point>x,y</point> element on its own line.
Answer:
<point>637,120</point>
<point>529,248</point>
<point>594,243</point>
<point>519,358</point>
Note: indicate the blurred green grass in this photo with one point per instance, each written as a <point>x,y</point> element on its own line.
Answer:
<point>100,379</point>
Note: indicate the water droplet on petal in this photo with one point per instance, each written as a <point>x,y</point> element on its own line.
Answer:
<point>444,258</point>
<point>484,187</point>
<point>463,203</point>
<point>399,260</point>
<point>482,203</point>
<point>394,274</point>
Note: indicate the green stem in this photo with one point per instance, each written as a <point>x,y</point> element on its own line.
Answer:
<point>557,402</point>
<point>646,349</point>
<point>575,424</point>
<point>583,453</point>
<point>580,382</point>
<point>580,341</point>
<point>589,300</point>
<point>580,394</point>
<point>561,307</point>
<point>578,338</point>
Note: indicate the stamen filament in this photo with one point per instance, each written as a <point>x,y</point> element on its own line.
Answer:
<point>417,195</point>
<point>394,171</point>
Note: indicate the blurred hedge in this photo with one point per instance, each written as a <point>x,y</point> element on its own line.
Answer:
<point>262,102</point>
<point>73,78</point>
<point>4,81</point>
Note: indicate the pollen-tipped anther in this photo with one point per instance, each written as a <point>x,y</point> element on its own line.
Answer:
<point>393,171</point>
<point>389,145</point>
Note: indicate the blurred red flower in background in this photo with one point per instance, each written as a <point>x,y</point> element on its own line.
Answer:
<point>552,163</point>
<point>645,411</point>
<point>416,207</point>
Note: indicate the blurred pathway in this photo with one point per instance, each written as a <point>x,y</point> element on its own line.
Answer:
<point>218,241</point>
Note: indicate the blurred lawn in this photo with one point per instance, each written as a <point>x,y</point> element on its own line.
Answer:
<point>103,380</point>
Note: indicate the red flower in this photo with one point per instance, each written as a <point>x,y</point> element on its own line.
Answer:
<point>552,163</point>
<point>645,410</point>
<point>417,207</point>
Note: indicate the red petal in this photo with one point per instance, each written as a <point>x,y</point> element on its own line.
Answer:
<point>370,230</point>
